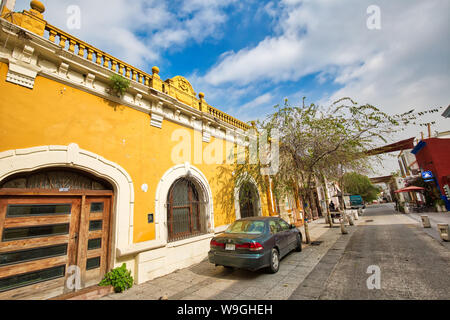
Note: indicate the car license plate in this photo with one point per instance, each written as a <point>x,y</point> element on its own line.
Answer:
<point>230,247</point>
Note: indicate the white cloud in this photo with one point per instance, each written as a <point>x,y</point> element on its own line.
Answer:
<point>261,100</point>
<point>404,65</point>
<point>389,67</point>
<point>272,57</point>
<point>140,31</point>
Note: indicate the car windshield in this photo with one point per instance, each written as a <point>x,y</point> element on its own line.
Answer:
<point>246,227</point>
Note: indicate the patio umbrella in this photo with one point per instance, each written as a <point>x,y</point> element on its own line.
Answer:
<point>410,189</point>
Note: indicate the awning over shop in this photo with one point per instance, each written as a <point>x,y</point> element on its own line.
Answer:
<point>385,179</point>
<point>398,146</point>
<point>419,147</point>
<point>410,189</point>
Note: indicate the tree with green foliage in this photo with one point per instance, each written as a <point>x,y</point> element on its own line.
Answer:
<point>358,184</point>
<point>317,142</point>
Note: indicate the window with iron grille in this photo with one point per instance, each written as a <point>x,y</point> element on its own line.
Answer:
<point>247,200</point>
<point>183,211</point>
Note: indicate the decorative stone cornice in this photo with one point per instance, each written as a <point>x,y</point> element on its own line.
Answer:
<point>22,69</point>
<point>206,132</point>
<point>21,76</point>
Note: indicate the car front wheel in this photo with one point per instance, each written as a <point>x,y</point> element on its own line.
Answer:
<point>274,261</point>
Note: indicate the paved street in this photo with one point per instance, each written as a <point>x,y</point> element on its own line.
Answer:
<point>413,265</point>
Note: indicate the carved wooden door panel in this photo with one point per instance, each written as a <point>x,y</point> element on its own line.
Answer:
<point>54,227</point>
<point>93,251</point>
<point>38,244</point>
<point>42,237</point>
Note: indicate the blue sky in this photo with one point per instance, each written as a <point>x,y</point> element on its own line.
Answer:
<point>249,55</point>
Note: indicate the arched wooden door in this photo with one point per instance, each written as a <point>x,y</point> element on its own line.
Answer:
<point>55,231</point>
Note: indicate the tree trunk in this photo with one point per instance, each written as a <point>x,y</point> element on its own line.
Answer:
<point>327,200</point>
<point>342,200</point>
<point>305,221</point>
<point>310,203</point>
<point>307,237</point>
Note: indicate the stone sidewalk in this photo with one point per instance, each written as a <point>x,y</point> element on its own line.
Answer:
<point>204,281</point>
<point>435,219</point>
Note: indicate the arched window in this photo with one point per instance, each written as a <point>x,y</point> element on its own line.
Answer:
<point>183,211</point>
<point>248,201</point>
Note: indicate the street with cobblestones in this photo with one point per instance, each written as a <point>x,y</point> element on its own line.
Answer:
<point>413,264</point>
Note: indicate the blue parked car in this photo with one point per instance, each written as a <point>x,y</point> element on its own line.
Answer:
<point>255,243</point>
<point>357,202</point>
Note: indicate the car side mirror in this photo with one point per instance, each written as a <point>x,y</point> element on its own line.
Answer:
<point>292,226</point>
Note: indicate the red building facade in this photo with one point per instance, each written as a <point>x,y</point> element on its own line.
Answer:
<point>434,155</point>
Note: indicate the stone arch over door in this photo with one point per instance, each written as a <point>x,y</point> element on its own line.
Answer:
<point>13,162</point>
<point>246,179</point>
<point>64,179</point>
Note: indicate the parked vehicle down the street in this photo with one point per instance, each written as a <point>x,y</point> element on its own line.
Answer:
<point>255,243</point>
<point>357,202</point>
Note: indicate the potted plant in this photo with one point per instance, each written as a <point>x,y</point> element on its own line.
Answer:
<point>120,278</point>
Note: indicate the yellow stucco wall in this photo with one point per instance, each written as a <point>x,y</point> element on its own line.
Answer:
<point>56,114</point>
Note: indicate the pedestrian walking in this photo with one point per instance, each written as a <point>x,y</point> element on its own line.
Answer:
<point>332,206</point>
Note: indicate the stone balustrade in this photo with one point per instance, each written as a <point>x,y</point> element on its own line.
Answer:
<point>227,118</point>
<point>86,51</point>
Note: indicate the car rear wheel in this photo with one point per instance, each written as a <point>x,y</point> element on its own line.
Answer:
<point>299,243</point>
<point>274,261</point>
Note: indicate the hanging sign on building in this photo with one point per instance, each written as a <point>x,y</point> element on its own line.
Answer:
<point>427,175</point>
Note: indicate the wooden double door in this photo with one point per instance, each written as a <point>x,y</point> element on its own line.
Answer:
<point>53,244</point>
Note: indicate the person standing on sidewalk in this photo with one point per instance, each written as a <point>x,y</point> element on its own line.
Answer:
<point>332,209</point>
<point>332,206</point>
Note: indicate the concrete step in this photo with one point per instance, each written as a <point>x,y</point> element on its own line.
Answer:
<point>90,293</point>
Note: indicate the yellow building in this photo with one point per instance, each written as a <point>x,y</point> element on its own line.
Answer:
<point>90,179</point>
